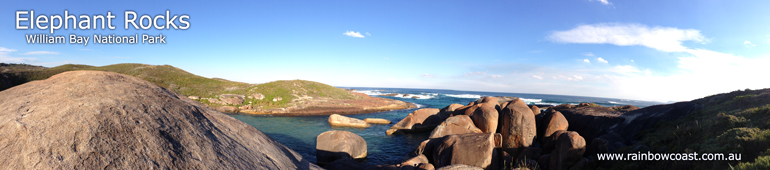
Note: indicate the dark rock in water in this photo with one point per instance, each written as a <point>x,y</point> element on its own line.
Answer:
<point>459,124</point>
<point>346,164</point>
<point>459,167</point>
<point>334,145</point>
<point>569,150</point>
<point>475,149</point>
<point>518,127</point>
<point>485,117</point>
<point>104,120</point>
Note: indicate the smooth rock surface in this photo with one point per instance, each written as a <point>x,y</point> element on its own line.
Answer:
<point>459,124</point>
<point>104,120</point>
<point>333,145</point>
<point>342,121</point>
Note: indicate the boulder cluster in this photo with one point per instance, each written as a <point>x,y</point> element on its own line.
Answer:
<point>499,133</point>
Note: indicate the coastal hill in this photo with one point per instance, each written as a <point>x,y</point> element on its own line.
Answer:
<point>278,97</point>
<point>105,120</point>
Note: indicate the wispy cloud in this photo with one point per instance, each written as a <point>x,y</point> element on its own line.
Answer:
<point>3,49</point>
<point>605,2</point>
<point>589,54</point>
<point>367,34</point>
<point>537,77</point>
<point>354,34</point>
<point>601,60</point>
<point>586,60</point>
<point>660,38</point>
<point>40,53</point>
<point>5,58</point>
<point>748,44</point>
<point>692,78</point>
<point>426,75</point>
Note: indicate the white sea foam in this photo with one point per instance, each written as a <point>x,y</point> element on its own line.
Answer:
<point>614,102</point>
<point>369,92</point>
<point>470,96</point>
<point>412,96</point>
<point>531,100</point>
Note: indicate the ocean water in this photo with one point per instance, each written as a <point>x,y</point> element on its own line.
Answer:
<point>299,132</point>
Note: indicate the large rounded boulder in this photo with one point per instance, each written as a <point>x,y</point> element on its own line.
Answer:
<point>569,151</point>
<point>333,145</point>
<point>459,124</point>
<point>552,121</point>
<point>518,127</point>
<point>342,121</point>
<point>474,149</point>
<point>485,117</point>
<point>418,121</point>
<point>104,120</point>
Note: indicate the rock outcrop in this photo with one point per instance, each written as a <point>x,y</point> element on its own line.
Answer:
<point>486,117</point>
<point>569,150</point>
<point>334,145</point>
<point>232,99</point>
<point>377,121</point>
<point>518,127</point>
<point>459,124</point>
<point>419,121</point>
<point>342,121</point>
<point>104,120</point>
<point>474,149</point>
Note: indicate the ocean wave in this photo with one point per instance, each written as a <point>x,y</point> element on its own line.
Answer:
<point>614,102</point>
<point>531,100</point>
<point>414,96</point>
<point>469,96</point>
<point>369,92</point>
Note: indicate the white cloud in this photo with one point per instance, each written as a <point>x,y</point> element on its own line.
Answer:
<point>589,54</point>
<point>586,60</point>
<point>5,58</point>
<point>633,61</point>
<point>474,73</point>
<point>3,49</point>
<point>601,60</point>
<point>496,76</point>
<point>354,34</point>
<point>367,34</point>
<point>605,2</point>
<point>748,44</point>
<point>698,73</point>
<point>386,58</point>
<point>537,77</point>
<point>661,38</point>
<point>40,52</point>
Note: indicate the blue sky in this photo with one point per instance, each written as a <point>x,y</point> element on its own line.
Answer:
<point>645,50</point>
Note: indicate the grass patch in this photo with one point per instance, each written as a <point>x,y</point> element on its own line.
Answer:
<point>188,84</point>
<point>735,122</point>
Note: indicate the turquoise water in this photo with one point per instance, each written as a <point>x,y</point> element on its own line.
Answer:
<point>299,133</point>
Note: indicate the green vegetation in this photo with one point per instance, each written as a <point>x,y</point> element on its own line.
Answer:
<point>188,84</point>
<point>735,122</point>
